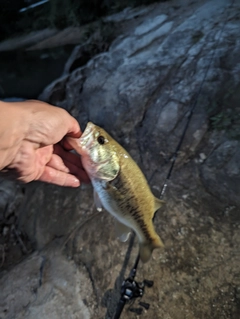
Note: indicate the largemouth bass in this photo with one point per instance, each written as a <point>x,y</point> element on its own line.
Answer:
<point>120,187</point>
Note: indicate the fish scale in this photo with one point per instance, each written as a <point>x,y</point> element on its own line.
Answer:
<point>120,187</point>
<point>128,203</point>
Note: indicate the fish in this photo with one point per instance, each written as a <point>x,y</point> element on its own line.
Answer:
<point>120,187</point>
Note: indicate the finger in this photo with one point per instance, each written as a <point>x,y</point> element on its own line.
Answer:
<point>70,143</point>
<point>72,125</point>
<point>66,155</point>
<point>80,173</point>
<point>56,162</point>
<point>69,163</point>
<point>74,129</point>
<point>67,166</point>
<point>53,176</point>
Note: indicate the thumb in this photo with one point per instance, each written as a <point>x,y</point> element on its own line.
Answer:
<point>74,129</point>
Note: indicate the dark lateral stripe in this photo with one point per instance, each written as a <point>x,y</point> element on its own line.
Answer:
<point>127,200</point>
<point>117,183</point>
<point>143,226</point>
<point>128,208</point>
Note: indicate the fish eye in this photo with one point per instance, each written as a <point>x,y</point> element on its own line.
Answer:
<point>101,140</point>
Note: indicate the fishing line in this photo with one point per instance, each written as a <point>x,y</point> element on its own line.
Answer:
<point>130,288</point>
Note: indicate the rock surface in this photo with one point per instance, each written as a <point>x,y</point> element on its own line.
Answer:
<point>142,91</point>
<point>50,282</point>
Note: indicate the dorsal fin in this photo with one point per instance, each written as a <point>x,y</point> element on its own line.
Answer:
<point>158,203</point>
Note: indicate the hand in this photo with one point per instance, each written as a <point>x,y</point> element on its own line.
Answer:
<point>32,143</point>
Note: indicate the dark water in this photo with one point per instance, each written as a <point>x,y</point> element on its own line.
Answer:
<point>26,73</point>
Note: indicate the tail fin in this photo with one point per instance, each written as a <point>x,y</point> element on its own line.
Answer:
<point>146,248</point>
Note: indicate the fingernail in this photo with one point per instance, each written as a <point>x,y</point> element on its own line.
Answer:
<point>76,182</point>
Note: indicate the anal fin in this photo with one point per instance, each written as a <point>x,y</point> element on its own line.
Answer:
<point>146,248</point>
<point>122,231</point>
<point>97,201</point>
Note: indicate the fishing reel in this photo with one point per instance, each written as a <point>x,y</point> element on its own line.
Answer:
<point>131,290</point>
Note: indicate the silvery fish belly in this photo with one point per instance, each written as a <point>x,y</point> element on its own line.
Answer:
<point>120,187</point>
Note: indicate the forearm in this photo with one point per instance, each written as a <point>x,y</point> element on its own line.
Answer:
<point>14,125</point>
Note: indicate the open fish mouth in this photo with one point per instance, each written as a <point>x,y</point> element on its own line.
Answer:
<point>87,136</point>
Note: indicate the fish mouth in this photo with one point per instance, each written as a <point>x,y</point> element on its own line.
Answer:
<point>87,137</point>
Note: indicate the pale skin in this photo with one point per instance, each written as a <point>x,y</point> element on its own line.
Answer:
<point>34,144</point>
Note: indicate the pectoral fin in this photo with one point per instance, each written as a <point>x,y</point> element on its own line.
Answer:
<point>122,231</point>
<point>97,201</point>
<point>110,170</point>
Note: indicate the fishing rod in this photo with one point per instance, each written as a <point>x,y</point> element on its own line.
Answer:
<point>131,289</point>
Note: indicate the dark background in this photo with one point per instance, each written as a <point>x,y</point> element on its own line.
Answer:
<point>26,73</point>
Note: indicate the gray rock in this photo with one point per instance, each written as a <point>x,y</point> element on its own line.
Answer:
<point>220,173</point>
<point>129,13</point>
<point>148,26</point>
<point>10,197</point>
<point>40,212</point>
<point>46,285</point>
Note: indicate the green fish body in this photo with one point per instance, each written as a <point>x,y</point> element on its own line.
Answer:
<point>120,187</point>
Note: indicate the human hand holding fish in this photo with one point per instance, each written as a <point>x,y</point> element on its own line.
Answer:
<point>31,147</point>
<point>119,186</point>
<point>35,142</point>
